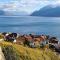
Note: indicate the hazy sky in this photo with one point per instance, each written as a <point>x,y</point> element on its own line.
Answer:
<point>26,5</point>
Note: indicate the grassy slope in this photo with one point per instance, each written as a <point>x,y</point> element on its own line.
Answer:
<point>19,52</point>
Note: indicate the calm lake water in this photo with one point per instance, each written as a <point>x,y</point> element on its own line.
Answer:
<point>28,24</point>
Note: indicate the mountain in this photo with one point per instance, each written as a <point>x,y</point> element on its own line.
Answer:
<point>12,13</point>
<point>15,13</point>
<point>48,11</point>
<point>2,12</point>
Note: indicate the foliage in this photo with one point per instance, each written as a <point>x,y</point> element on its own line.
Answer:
<point>9,52</point>
<point>1,36</point>
<point>26,42</point>
<point>19,52</point>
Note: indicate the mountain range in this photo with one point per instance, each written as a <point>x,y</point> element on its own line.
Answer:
<point>48,11</point>
<point>12,13</point>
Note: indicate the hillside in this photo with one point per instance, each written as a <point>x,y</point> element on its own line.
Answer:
<point>48,11</point>
<point>19,52</point>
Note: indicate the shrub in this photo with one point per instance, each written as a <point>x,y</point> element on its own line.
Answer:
<point>26,42</point>
<point>10,53</point>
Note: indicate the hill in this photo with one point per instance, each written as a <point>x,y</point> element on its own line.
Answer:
<point>19,52</point>
<point>48,11</point>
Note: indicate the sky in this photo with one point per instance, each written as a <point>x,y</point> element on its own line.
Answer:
<point>27,6</point>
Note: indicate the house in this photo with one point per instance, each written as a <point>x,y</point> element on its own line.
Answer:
<point>10,37</point>
<point>53,44</point>
<point>20,40</point>
<point>53,40</point>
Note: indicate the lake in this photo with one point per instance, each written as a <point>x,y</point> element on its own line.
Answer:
<point>30,24</point>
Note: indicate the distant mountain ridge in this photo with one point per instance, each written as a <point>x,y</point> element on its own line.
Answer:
<point>12,13</point>
<point>48,11</point>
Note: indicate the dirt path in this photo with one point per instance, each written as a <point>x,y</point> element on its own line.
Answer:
<point>1,55</point>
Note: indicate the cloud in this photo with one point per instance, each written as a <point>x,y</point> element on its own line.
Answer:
<point>27,5</point>
<point>55,3</point>
<point>22,5</point>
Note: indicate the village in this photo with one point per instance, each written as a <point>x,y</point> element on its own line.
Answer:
<point>31,40</point>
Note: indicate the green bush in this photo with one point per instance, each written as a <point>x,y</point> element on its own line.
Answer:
<point>10,53</point>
